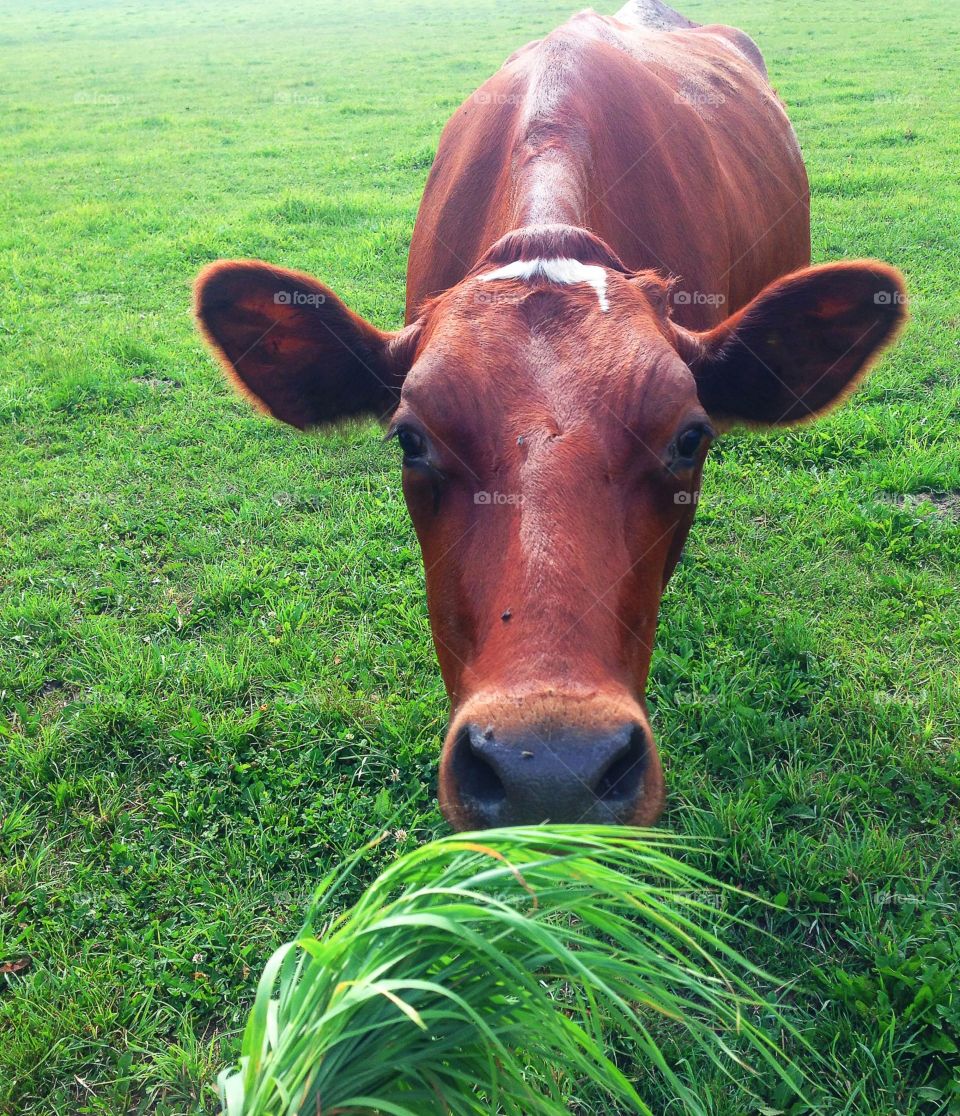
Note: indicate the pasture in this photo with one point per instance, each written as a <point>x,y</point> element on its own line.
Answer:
<point>216,673</point>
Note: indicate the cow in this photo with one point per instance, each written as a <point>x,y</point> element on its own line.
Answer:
<point>609,269</point>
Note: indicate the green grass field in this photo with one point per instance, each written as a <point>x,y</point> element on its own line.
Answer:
<point>216,675</point>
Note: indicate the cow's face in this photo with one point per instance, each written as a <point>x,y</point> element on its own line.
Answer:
<point>553,424</point>
<point>553,441</point>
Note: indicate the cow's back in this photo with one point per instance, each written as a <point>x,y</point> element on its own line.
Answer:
<point>666,141</point>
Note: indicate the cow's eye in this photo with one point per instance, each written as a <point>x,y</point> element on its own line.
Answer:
<point>412,443</point>
<point>690,442</point>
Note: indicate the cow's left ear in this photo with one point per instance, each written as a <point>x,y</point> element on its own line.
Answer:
<point>294,349</point>
<point>800,347</point>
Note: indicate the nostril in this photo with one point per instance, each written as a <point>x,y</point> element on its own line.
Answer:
<point>622,781</point>
<point>476,779</point>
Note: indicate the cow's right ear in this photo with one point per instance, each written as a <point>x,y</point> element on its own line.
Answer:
<point>294,349</point>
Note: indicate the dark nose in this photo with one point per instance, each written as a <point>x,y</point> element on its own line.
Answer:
<point>525,777</point>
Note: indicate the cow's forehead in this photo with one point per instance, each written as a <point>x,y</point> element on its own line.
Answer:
<point>579,342</point>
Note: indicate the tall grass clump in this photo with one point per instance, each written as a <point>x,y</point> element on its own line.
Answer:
<point>495,972</point>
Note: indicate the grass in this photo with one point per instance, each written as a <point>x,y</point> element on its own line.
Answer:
<point>503,971</point>
<point>216,676</point>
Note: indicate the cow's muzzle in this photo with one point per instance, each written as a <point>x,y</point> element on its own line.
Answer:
<point>494,775</point>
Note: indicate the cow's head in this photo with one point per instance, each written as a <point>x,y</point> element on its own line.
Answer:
<point>553,423</point>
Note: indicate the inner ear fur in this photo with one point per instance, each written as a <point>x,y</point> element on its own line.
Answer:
<point>799,347</point>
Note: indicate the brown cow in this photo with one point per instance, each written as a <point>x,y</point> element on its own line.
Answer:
<point>608,269</point>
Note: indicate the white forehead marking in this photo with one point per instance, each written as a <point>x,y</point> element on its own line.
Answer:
<point>555,271</point>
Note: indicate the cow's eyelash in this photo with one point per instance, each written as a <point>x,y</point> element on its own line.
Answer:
<point>413,443</point>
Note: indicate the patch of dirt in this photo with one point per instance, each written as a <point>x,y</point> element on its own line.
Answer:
<point>158,383</point>
<point>945,504</point>
<point>50,700</point>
